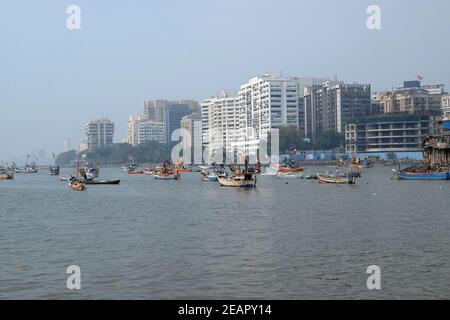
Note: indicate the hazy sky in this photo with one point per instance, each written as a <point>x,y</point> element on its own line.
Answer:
<point>53,80</point>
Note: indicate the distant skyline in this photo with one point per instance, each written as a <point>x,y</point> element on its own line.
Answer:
<point>54,80</point>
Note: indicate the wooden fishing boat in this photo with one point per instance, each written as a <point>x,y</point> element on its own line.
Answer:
<point>150,172</point>
<point>336,179</point>
<point>181,167</point>
<point>29,168</point>
<point>241,181</point>
<point>26,170</point>
<point>427,175</point>
<point>6,173</point>
<point>290,169</point>
<point>77,185</point>
<point>210,178</point>
<point>6,176</point>
<point>136,172</point>
<point>162,176</point>
<point>291,175</point>
<point>101,182</point>
<point>269,171</point>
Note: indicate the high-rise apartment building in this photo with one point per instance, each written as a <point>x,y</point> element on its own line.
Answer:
<point>169,113</point>
<point>160,119</point>
<point>332,104</point>
<point>412,98</point>
<point>446,104</point>
<point>220,122</point>
<point>99,133</point>
<point>268,102</point>
<point>150,131</point>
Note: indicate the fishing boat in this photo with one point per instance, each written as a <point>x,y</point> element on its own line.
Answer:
<point>291,175</point>
<point>135,172</point>
<point>289,169</point>
<point>210,177</point>
<point>335,178</point>
<point>131,166</point>
<point>6,173</point>
<point>29,168</point>
<point>269,171</point>
<point>213,174</point>
<point>426,175</point>
<point>4,176</point>
<point>150,172</point>
<point>167,172</point>
<point>54,170</point>
<point>100,182</point>
<point>163,176</point>
<point>362,163</point>
<point>76,185</point>
<point>241,181</point>
<point>181,167</point>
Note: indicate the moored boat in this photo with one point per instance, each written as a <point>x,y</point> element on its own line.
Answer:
<point>181,167</point>
<point>100,182</point>
<point>76,185</point>
<point>291,175</point>
<point>426,175</point>
<point>6,175</point>
<point>167,172</point>
<point>287,169</point>
<point>162,176</point>
<point>211,178</point>
<point>29,168</point>
<point>336,179</point>
<point>136,172</point>
<point>241,181</point>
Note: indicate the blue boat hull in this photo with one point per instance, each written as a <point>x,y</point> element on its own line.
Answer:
<point>422,176</point>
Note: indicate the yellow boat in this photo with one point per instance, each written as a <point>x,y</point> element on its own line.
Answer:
<point>77,186</point>
<point>242,181</point>
<point>327,178</point>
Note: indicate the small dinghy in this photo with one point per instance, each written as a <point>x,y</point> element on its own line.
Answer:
<point>238,181</point>
<point>76,185</point>
<point>336,179</point>
<point>101,182</point>
<point>167,176</point>
<point>291,175</point>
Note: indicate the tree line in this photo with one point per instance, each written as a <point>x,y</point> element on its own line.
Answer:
<point>149,152</point>
<point>155,152</point>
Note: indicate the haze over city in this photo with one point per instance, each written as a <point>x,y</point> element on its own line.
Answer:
<point>54,80</point>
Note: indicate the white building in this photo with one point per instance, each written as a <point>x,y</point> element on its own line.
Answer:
<point>446,104</point>
<point>151,131</point>
<point>220,122</point>
<point>100,133</point>
<point>133,126</point>
<point>140,130</point>
<point>268,102</point>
